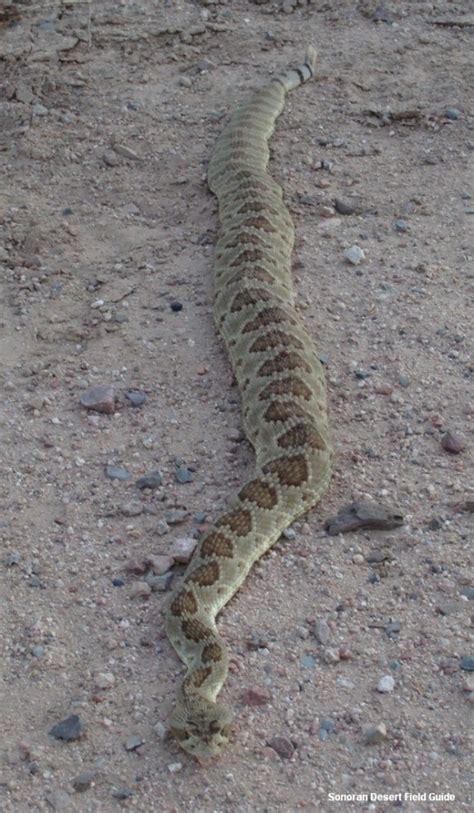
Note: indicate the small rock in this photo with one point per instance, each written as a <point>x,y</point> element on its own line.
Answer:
<point>117,473</point>
<point>59,800</point>
<point>182,549</point>
<point>117,582</point>
<point>468,592</point>
<point>176,516</point>
<point>374,734</point>
<point>176,306</point>
<point>308,661</point>
<point>131,509</point>
<point>343,207</point>
<point>175,767</point>
<point>322,632</point>
<point>69,729</point>
<point>452,443</point>
<point>185,81</point>
<point>39,110</point>
<point>104,680</point>
<point>136,398</point>
<point>467,663</point>
<point>326,727</point>
<point>23,93</point>
<point>99,398</point>
<point>354,255</point>
<point>160,563</point>
<point>38,651</point>
<point>122,793</point>
<point>404,381</point>
<point>284,748</point>
<point>401,226</point>
<point>393,628</point>
<point>159,584</point>
<point>153,480</point>
<point>453,114</point>
<point>256,696</point>
<point>386,684</point>
<point>140,590</point>
<point>125,152</point>
<point>183,475</point>
<point>83,781</point>
<point>133,742</point>
<point>110,158</point>
<point>12,558</point>
<point>331,656</point>
<point>364,514</point>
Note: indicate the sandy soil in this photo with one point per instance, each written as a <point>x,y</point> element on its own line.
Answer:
<point>109,111</point>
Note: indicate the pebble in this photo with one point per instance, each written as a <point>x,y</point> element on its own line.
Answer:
<point>40,110</point>
<point>153,480</point>
<point>374,734</point>
<point>467,663</point>
<point>176,306</point>
<point>345,683</point>
<point>354,255</point>
<point>160,563</point>
<point>12,558</point>
<point>182,549</point>
<point>183,475</point>
<point>99,398</point>
<point>453,114</point>
<point>185,81</point>
<point>468,592</point>
<point>404,381</point>
<point>38,651</point>
<point>110,158</point>
<point>83,781</point>
<point>176,516</point>
<point>59,800</point>
<point>122,793</point>
<point>331,656</point>
<point>308,661</point>
<point>322,632</point>
<point>256,696</point>
<point>69,729</point>
<point>117,582</point>
<point>343,207</point>
<point>386,684</point>
<point>136,398</point>
<point>175,767</point>
<point>393,628</point>
<point>159,584</point>
<point>131,509</point>
<point>327,726</point>
<point>140,589</point>
<point>133,742</point>
<point>452,443</point>
<point>117,473</point>
<point>104,680</point>
<point>283,747</point>
<point>401,226</point>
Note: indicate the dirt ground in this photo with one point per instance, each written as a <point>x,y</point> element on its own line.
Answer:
<point>352,664</point>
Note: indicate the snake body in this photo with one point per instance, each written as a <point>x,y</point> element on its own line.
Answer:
<point>281,382</point>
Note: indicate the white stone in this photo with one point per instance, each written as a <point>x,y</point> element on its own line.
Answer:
<point>386,684</point>
<point>354,255</point>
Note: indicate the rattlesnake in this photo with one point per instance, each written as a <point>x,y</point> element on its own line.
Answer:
<point>282,386</point>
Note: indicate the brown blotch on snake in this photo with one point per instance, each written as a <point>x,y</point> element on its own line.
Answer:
<point>259,492</point>
<point>286,386</point>
<point>216,544</point>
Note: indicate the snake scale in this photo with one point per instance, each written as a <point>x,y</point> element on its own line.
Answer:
<point>282,386</point>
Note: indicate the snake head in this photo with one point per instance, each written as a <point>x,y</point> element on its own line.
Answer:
<point>202,728</point>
